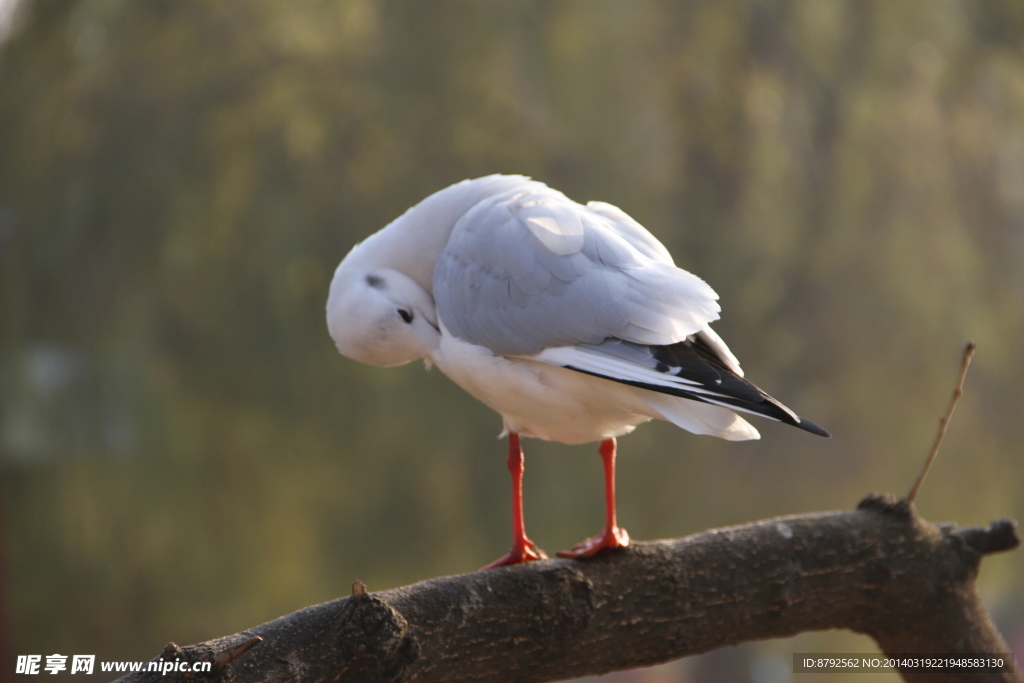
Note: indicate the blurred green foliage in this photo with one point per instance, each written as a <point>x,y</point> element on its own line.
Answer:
<point>183,453</point>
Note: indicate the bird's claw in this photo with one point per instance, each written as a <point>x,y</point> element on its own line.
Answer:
<point>609,539</point>
<point>525,551</point>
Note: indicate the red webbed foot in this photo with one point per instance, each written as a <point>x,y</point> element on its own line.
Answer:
<point>610,539</point>
<point>520,552</point>
<point>523,549</point>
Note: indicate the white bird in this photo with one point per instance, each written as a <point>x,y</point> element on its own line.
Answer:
<point>571,321</point>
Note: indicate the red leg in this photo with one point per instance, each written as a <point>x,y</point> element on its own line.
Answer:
<point>523,549</point>
<point>612,536</point>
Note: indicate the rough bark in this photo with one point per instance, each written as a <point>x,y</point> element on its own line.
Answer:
<point>879,570</point>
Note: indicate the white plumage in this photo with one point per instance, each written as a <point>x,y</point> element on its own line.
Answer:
<point>507,281</point>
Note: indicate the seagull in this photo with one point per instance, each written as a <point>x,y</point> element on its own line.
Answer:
<point>570,321</point>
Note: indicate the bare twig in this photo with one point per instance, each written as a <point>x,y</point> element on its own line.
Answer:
<point>944,421</point>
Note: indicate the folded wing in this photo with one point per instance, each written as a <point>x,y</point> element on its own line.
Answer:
<point>528,269</point>
<point>693,369</point>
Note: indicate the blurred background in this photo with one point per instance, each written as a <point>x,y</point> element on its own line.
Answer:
<point>183,453</point>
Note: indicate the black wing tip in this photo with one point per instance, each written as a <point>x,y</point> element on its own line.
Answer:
<point>809,426</point>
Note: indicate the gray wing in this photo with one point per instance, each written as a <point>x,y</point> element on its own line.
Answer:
<point>529,269</point>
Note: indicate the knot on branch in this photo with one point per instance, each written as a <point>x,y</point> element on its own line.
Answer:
<point>171,651</point>
<point>998,536</point>
<point>373,639</point>
<point>232,652</point>
<point>887,505</point>
<point>219,653</point>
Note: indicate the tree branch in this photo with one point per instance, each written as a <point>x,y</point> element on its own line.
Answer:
<point>879,570</point>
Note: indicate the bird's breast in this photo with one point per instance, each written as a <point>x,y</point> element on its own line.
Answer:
<point>541,400</point>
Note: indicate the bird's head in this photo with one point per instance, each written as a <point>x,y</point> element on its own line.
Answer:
<point>380,316</point>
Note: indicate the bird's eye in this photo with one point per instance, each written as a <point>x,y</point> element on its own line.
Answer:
<point>406,315</point>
